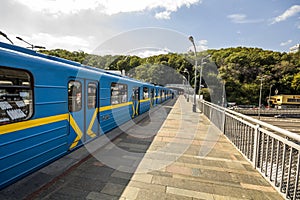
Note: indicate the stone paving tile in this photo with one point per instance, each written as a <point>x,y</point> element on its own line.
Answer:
<point>113,189</point>
<point>119,181</point>
<point>123,175</point>
<point>250,180</point>
<point>189,193</point>
<point>146,178</point>
<point>93,176</point>
<point>179,170</point>
<point>261,188</point>
<point>184,183</point>
<point>178,197</point>
<point>146,186</point>
<point>68,193</point>
<point>161,173</point>
<point>218,168</point>
<point>144,194</point>
<point>233,192</point>
<point>81,183</point>
<point>130,193</point>
<point>208,182</point>
<point>98,196</point>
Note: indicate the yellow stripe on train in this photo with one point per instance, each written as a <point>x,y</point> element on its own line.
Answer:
<point>32,123</point>
<point>110,107</point>
<point>48,120</point>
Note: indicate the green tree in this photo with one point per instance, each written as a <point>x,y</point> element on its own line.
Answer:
<point>296,83</point>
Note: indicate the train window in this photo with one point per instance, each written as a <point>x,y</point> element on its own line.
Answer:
<point>118,93</point>
<point>16,99</point>
<point>293,100</point>
<point>145,93</point>
<point>92,95</point>
<point>74,96</point>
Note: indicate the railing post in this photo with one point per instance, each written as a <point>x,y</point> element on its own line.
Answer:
<point>223,116</point>
<point>297,177</point>
<point>256,145</point>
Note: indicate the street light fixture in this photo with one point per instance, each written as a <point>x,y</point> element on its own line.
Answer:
<point>187,71</point>
<point>195,84</point>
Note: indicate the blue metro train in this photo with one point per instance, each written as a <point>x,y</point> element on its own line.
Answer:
<point>50,106</point>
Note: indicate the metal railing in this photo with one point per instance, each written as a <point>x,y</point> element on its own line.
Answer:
<point>273,151</point>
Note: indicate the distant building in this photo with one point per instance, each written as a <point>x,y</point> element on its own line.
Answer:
<point>295,49</point>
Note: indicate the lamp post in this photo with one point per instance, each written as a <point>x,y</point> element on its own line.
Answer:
<point>260,94</point>
<point>223,94</point>
<point>184,86</point>
<point>201,68</point>
<point>195,84</point>
<point>186,71</point>
<point>270,96</point>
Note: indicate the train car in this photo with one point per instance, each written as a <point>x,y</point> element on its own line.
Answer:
<point>50,106</point>
<point>285,101</point>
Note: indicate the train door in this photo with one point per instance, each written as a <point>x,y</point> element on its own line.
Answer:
<point>135,101</point>
<point>152,97</point>
<point>82,100</point>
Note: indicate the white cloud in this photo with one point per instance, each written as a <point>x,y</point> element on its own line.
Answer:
<point>59,6</point>
<point>148,53</point>
<point>163,15</point>
<point>109,7</point>
<point>69,42</point>
<point>143,41</point>
<point>293,10</point>
<point>201,45</point>
<point>242,19</point>
<point>286,43</point>
<point>237,18</point>
<point>117,6</point>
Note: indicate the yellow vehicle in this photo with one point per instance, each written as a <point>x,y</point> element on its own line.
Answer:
<point>285,101</point>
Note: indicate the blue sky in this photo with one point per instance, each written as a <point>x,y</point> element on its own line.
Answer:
<point>152,26</point>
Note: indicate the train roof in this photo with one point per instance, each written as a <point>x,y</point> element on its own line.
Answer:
<point>34,53</point>
<point>30,52</point>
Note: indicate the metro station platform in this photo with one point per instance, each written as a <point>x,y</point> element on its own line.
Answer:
<point>171,153</point>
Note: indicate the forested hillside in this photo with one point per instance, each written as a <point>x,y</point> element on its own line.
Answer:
<point>241,69</point>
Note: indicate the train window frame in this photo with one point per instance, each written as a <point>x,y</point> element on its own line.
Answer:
<point>118,93</point>
<point>77,98</point>
<point>16,98</point>
<point>92,96</point>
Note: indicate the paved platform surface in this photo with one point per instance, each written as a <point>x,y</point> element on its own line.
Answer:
<point>171,154</point>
